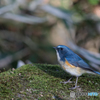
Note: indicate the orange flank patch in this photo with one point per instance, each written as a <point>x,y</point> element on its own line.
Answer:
<point>68,64</point>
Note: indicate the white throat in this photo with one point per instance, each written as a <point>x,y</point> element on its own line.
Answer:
<point>58,57</point>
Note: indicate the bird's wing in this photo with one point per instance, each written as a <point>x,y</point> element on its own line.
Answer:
<point>84,65</point>
<point>80,63</point>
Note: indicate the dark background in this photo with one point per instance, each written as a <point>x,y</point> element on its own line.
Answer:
<point>30,28</point>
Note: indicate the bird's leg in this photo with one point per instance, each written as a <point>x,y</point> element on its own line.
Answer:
<point>75,84</point>
<point>68,81</point>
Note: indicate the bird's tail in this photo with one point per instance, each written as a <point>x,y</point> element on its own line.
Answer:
<point>97,72</point>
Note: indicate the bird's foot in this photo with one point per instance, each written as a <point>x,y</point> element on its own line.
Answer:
<point>67,82</point>
<point>74,87</point>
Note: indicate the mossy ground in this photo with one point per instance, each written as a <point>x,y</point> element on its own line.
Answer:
<point>42,82</point>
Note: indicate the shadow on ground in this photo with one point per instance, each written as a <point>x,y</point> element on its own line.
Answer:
<point>54,70</point>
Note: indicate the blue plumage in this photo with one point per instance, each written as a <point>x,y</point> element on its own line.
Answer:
<point>73,58</point>
<point>72,63</point>
<point>96,72</point>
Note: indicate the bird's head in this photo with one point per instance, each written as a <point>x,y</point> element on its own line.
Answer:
<point>63,51</point>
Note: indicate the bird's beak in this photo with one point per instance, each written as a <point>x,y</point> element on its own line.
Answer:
<point>54,48</point>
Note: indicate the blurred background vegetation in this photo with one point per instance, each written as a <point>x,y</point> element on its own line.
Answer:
<point>30,28</point>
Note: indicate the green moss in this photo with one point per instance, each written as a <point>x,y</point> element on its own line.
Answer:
<point>42,82</point>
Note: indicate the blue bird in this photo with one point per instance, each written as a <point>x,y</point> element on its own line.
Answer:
<point>72,63</point>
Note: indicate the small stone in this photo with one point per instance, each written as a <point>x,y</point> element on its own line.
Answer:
<point>19,73</point>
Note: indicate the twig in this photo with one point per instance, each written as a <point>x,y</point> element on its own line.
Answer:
<point>7,8</point>
<point>25,19</point>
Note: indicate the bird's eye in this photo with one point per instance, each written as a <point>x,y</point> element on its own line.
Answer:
<point>61,48</point>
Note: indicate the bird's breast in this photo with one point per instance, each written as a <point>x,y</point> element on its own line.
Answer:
<point>71,69</point>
